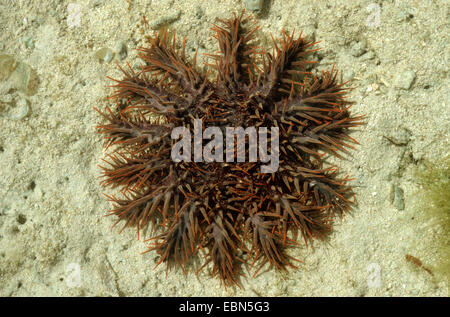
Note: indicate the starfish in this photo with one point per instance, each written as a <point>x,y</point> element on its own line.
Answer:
<point>230,212</point>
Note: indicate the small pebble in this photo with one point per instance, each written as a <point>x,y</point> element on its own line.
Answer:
<point>28,41</point>
<point>254,5</point>
<point>25,79</point>
<point>367,56</point>
<point>21,110</point>
<point>121,50</point>
<point>405,79</point>
<point>2,46</point>
<point>104,55</point>
<point>7,66</point>
<point>399,201</point>
<point>358,48</point>
<point>401,137</point>
<point>391,193</point>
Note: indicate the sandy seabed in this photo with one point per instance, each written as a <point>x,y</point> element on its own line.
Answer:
<point>54,240</point>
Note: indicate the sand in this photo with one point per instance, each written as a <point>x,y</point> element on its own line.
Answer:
<point>54,238</point>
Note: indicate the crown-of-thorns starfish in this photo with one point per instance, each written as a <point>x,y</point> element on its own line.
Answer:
<point>231,212</point>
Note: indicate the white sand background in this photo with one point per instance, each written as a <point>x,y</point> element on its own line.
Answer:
<point>51,204</point>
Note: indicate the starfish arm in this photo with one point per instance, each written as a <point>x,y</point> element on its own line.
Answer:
<point>235,63</point>
<point>283,66</point>
<point>170,67</point>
